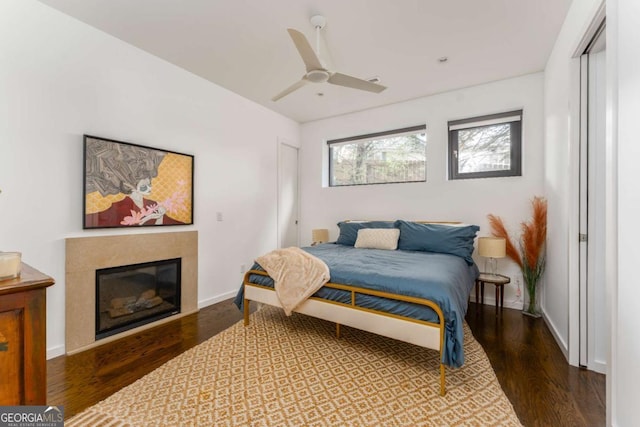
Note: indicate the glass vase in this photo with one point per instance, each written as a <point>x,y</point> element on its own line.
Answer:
<point>531,307</point>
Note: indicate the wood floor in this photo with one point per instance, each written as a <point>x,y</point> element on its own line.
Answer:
<point>534,374</point>
<point>543,388</point>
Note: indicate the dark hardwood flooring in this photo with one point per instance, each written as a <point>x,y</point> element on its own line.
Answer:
<point>534,374</point>
<point>543,388</point>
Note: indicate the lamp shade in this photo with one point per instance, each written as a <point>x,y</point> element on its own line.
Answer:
<point>492,247</point>
<point>320,235</point>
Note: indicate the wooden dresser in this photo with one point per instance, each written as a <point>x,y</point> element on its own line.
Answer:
<point>23,338</point>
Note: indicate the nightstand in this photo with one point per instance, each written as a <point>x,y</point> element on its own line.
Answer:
<point>498,280</point>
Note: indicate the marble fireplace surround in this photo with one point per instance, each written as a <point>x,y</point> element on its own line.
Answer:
<point>84,255</point>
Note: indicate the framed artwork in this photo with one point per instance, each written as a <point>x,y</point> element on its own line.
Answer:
<point>130,185</point>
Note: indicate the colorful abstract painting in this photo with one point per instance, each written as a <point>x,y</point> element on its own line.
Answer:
<point>130,185</point>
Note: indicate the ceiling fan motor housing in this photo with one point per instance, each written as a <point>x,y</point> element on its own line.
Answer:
<point>318,21</point>
<point>318,76</point>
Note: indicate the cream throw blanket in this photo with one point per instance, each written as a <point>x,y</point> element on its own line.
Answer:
<point>296,274</point>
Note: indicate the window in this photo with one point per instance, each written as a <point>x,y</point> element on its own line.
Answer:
<point>486,147</point>
<point>379,158</point>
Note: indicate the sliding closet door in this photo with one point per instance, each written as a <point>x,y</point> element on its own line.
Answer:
<point>593,320</point>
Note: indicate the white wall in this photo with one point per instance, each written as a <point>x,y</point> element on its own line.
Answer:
<point>623,45</point>
<point>561,111</point>
<point>437,199</point>
<point>60,79</point>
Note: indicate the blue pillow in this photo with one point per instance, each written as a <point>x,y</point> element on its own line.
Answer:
<point>447,239</point>
<point>349,230</point>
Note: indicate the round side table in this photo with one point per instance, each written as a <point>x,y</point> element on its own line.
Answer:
<point>498,280</point>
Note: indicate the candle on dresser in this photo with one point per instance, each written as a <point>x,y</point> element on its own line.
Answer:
<point>10,263</point>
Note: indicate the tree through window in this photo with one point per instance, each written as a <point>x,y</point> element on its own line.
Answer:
<point>380,158</point>
<point>487,146</point>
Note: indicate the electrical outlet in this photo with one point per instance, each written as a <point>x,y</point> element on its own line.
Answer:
<point>219,216</point>
<point>243,268</point>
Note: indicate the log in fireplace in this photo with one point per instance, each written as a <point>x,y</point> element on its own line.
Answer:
<point>129,296</point>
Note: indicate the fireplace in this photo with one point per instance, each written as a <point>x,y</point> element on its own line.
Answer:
<point>133,295</point>
<point>85,255</point>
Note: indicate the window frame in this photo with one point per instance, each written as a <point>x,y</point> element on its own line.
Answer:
<point>354,139</point>
<point>513,118</point>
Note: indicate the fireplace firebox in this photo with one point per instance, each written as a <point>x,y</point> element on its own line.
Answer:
<point>129,296</point>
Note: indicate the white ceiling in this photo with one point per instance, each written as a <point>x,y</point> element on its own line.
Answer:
<point>243,45</point>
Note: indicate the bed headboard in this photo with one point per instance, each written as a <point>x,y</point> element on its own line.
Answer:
<point>393,220</point>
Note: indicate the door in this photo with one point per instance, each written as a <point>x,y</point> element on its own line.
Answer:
<point>287,195</point>
<point>593,323</point>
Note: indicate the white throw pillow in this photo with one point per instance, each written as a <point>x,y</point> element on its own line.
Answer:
<point>378,238</point>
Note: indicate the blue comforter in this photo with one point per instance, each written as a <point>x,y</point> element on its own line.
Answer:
<point>442,278</point>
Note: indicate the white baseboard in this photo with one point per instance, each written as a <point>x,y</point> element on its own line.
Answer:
<point>515,304</point>
<point>216,299</point>
<point>55,351</point>
<point>599,367</point>
<point>564,348</point>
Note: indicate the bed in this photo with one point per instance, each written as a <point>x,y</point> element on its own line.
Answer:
<point>417,293</point>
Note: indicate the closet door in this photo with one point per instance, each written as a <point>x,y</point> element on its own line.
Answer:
<point>593,321</point>
<point>287,195</point>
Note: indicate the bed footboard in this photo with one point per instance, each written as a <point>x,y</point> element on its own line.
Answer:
<point>422,333</point>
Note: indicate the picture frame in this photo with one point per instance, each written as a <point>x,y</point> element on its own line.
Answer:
<point>131,185</point>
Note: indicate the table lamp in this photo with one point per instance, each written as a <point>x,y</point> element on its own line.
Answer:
<point>319,235</point>
<point>492,248</point>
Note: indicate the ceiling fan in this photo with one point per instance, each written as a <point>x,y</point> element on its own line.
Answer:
<point>316,72</point>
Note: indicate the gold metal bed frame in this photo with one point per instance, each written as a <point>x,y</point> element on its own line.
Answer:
<point>419,332</point>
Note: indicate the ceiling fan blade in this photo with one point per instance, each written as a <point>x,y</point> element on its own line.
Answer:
<point>311,60</point>
<point>297,85</point>
<point>355,83</point>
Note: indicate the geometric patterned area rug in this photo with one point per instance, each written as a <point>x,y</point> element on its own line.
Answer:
<point>293,371</point>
